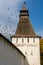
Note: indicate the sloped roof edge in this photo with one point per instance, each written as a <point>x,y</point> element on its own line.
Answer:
<point>26,36</point>
<point>11,44</point>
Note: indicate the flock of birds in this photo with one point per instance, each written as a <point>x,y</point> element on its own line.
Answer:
<point>7,30</point>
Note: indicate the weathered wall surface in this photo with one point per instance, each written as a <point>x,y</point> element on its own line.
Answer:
<point>9,55</point>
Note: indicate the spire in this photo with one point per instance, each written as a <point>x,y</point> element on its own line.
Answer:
<point>24,11</point>
<point>24,6</point>
<point>24,26</point>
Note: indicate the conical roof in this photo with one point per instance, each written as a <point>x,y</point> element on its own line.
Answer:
<point>24,26</point>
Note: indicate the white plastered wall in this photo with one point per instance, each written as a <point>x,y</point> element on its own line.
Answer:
<point>30,49</point>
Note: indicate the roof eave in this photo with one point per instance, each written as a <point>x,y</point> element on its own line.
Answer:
<point>32,36</point>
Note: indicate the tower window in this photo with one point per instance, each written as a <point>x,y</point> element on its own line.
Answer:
<point>28,40</point>
<point>16,39</point>
<point>33,39</point>
<point>22,40</point>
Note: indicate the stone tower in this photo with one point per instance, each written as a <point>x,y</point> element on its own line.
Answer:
<point>26,39</point>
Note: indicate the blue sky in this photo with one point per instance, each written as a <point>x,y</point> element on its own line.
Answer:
<point>9,15</point>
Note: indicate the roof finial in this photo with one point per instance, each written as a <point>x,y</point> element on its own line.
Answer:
<point>24,2</point>
<point>24,6</point>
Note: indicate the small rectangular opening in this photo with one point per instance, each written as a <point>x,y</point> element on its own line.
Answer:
<point>22,40</point>
<point>17,40</point>
<point>33,39</point>
<point>28,40</point>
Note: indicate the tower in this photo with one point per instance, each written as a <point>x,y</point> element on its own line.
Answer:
<point>26,39</point>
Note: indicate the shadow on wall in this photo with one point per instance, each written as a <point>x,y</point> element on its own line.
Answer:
<point>10,54</point>
<point>26,62</point>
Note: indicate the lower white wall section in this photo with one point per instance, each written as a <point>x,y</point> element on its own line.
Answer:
<point>33,55</point>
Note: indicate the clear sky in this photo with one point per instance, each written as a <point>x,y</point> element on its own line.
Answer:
<point>9,15</point>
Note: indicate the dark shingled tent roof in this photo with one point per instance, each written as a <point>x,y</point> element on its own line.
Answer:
<point>24,26</point>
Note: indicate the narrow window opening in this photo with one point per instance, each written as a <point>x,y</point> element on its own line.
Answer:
<point>22,40</point>
<point>31,53</point>
<point>33,39</point>
<point>28,40</point>
<point>17,40</point>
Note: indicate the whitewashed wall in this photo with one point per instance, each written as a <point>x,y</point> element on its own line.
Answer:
<point>30,49</point>
<point>9,55</point>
